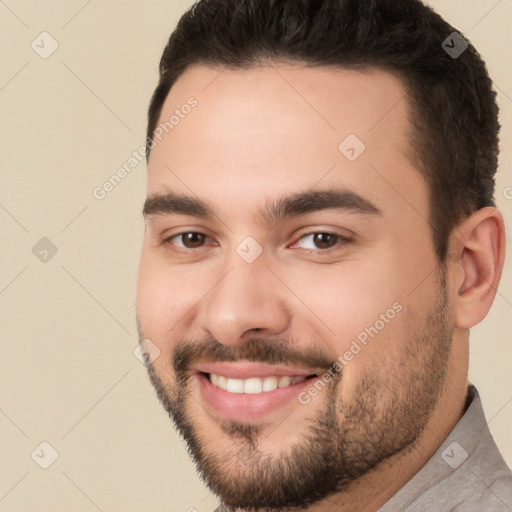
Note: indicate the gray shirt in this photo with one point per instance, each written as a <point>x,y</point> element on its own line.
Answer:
<point>466,474</point>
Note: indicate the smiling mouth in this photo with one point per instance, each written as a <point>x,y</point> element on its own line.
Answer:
<point>255,385</point>
<point>249,392</point>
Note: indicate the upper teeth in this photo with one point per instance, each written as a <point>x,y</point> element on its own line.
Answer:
<point>254,384</point>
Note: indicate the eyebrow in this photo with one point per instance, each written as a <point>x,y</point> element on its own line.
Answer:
<point>274,211</point>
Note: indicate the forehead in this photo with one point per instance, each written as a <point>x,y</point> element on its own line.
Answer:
<point>281,127</point>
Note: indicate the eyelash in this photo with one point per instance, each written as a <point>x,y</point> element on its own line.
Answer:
<point>342,240</point>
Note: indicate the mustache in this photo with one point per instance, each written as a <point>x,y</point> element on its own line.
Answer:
<point>261,350</point>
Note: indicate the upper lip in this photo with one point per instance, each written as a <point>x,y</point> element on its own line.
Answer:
<point>247,370</point>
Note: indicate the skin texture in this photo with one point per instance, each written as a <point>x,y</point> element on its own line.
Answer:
<point>255,136</point>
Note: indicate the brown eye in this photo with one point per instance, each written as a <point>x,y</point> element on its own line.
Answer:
<point>187,240</point>
<point>192,240</point>
<point>325,240</point>
<point>321,241</point>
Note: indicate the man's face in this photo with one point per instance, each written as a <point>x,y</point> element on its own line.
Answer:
<point>343,306</point>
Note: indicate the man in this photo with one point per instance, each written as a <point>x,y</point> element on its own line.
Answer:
<point>320,237</point>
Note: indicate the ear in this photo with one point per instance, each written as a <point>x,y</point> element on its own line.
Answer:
<point>477,251</point>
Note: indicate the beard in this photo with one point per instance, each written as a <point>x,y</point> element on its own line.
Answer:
<point>345,439</point>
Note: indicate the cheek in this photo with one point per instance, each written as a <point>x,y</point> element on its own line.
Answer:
<point>164,295</point>
<point>348,298</point>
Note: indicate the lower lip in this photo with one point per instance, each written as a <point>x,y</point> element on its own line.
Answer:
<point>246,406</point>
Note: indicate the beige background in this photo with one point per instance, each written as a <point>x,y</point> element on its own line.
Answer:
<point>68,373</point>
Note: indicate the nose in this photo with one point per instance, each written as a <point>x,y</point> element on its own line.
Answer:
<point>246,298</point>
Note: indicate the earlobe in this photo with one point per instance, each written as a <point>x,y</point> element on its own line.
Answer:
<point>479,258</point>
